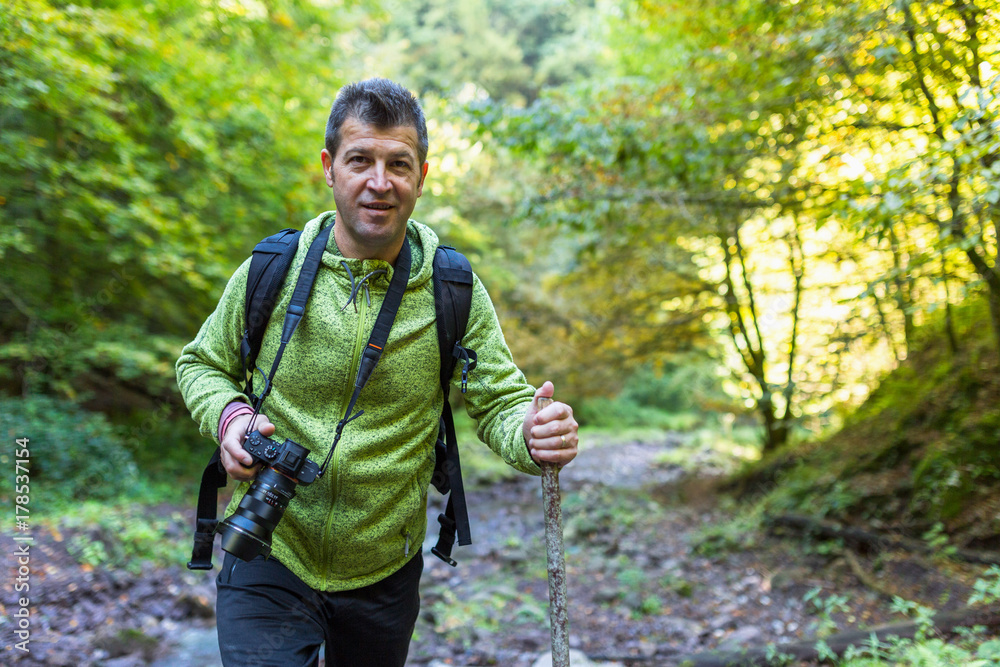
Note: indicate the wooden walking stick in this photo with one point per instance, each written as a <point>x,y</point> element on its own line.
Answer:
<point>556,556</point>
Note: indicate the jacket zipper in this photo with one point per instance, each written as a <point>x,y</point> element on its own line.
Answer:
<point>334,471</point>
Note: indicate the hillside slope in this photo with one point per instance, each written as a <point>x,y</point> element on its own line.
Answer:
<point>920,458</point>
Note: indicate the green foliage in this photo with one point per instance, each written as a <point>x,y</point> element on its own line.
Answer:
<point>74,454</point>
<point>635,585</point>
<point>776,657</point>
<point>970,648</point>
<point>147,146</point>
<point>736,534</point>
<point>87,362</point>
<point>601,512</point>
<point>484,610</point>
<point>676,397</point>
<point>507,49</point>
<point>923,616</point>
<point>938,541</point>
<point>987,588</point>
<point>651,606</point>
<point>755,159</point>
<point>480,466</point>
<point>824,608</point>
<point>113,536</point>
<point>676,388</point>
<point>918,456</point>
<point>622,413</point>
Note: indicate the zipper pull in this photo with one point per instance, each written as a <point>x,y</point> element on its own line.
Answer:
<point>406,547</point>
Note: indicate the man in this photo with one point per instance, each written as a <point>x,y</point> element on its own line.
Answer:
<point>346,562</point>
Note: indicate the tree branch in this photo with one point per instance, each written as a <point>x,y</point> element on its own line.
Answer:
<point>797,262</point>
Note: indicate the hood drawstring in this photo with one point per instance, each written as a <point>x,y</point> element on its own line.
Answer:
<point>356,287</point>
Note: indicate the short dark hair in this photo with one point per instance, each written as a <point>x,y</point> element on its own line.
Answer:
<point>379,102</point>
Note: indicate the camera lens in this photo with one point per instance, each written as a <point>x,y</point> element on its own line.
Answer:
<point>247,532</point>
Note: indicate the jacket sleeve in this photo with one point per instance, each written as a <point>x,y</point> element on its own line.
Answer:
<point>209,371</point>
<point>498,395</point>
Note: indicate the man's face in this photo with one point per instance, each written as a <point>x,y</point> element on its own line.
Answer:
<point>376,179</point>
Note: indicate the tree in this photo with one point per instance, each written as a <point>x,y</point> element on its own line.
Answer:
<point>680,141</point>
<point>508,49</point>
<point>920,87</point>
<point>795,188</point>
<point>146,147</point>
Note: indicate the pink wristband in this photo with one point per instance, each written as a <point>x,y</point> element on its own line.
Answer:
<point>230,412</point>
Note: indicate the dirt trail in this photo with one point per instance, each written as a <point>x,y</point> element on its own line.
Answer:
<point>640,592</point>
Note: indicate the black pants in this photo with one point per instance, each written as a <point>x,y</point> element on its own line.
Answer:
<point>268,617</point>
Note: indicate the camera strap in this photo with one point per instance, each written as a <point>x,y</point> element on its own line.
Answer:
<point>296,306</point>
<point>376,341</point>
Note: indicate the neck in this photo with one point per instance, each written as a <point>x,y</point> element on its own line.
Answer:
<point>354,248</point>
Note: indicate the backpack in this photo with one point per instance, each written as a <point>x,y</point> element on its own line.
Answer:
<point>452,278</point>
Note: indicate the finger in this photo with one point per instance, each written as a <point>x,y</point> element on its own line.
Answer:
<point>240,472</point>
<point>264,425</point>
<point>555,442</point>
<point>557,415</point>
<point>553,429</point>
<point>233,467</point>
<point>554,455</point>
<point>547,390</point>
<point>558,422</point>
<point>260,423</point>
<point>234,448</point>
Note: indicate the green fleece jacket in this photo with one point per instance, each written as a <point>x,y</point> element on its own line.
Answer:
<point>367,516</point>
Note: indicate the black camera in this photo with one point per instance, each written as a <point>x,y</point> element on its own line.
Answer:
<point>247,532</point>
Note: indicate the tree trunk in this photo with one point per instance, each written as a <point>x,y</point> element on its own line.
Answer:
<point>750,348</point>
<point>949,323</point>
<point>902,284</point>
<point>796,261</point>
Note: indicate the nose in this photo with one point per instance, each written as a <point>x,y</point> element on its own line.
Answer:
<point>378,179</point>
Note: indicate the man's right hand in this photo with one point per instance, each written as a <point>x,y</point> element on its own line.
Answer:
<point>234,458</point>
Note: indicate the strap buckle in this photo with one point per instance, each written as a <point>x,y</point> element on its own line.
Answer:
<point>448,559</point>
<point>446,540</point>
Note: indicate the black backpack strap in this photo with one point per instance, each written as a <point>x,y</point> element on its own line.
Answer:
<point>212,479</point>
<point>452,303</point>
<point>376,341</point>
<point>296,305</point>
<point>268,269</point>
<point>269,265</point>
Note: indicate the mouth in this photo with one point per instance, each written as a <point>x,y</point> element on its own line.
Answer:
<point>377,206</point>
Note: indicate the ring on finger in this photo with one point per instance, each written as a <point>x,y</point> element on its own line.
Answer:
<point>562,439</point>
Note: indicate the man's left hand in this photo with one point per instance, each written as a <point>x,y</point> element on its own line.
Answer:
<point>551,433</point>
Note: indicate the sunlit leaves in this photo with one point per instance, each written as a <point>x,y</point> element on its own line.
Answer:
<point>870,126</point>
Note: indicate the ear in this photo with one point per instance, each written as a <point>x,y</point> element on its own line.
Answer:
<point>423,175</point>
<point>327,166</point>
